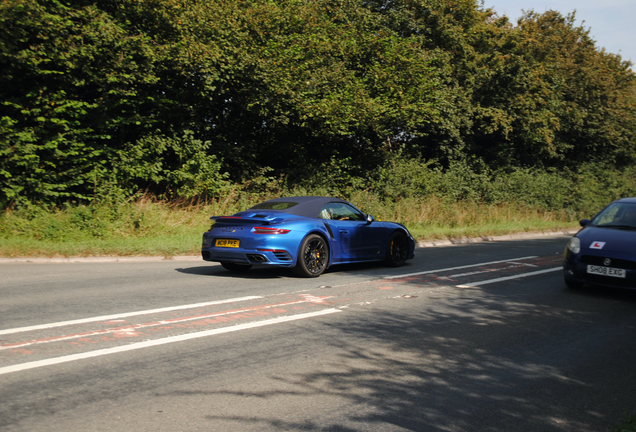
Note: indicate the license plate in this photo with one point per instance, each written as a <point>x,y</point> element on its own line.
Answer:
<point>606,271</point>
<point>227,243</point>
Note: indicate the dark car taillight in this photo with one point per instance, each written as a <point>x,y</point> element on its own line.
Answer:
<point>267,230</point>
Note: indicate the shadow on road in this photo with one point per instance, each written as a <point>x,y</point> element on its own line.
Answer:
<point>274,272</point>
<point>218,271</point>
<point>496,361</point>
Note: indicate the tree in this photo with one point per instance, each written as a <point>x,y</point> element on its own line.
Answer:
<point>550,98</point>
<point>74,90</point>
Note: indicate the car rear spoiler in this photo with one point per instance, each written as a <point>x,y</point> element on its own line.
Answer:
<point>249,219</point>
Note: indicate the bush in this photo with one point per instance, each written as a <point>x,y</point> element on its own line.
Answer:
<point>179,166</point>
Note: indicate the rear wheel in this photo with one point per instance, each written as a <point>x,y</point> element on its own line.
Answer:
<point>397,250</point>
<point>313,257</point>
<point>235,267</point>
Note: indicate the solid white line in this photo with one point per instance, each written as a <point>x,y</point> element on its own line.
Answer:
<point>156,342</point>
<point>486,282</point>
<point>124,315</point>
<point>457,268</point>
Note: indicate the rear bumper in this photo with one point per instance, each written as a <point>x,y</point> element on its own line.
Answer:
<point>278,258</point>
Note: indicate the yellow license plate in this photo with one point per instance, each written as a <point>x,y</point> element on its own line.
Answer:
<point>227,243</point>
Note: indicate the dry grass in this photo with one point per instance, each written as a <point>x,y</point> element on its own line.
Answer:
<point>150,227</point>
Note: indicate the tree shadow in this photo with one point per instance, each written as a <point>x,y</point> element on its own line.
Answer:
<point>495,362</point>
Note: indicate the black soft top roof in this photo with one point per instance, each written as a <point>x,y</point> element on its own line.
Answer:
<point>306,206</point>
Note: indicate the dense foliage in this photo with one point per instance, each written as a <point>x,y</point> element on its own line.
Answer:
<point>181,97</point>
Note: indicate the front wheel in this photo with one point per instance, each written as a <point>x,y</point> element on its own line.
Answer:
<point>234,267</point>
<point>397,250</point>
<point>313,257</point>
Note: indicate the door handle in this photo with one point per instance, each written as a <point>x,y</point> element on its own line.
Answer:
<point>343,231</point>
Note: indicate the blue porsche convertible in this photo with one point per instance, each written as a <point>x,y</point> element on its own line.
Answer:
<point>603,252</point>
<point>307,234</point>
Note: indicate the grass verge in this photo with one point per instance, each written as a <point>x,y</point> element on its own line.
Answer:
<point>148,227</point>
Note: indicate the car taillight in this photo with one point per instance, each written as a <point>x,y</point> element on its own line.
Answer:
<point>267,230</point>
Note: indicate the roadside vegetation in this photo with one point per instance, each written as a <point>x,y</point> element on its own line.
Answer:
<point>432,203</point>
<point>180,97</point>
<point>125,124</point>
<point>159,228</point>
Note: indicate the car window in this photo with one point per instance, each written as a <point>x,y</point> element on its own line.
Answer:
<point>341,211</point>
<point>617,214</point>
<point>276,205</point>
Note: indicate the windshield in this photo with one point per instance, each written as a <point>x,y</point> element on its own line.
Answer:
<point>617,215</point>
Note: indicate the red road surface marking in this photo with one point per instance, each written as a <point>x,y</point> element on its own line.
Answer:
<point>205,319</point>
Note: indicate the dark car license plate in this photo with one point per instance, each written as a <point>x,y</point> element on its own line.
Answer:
<point>606,271</point>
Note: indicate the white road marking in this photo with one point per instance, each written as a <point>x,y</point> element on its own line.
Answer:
<point>132,329</point>
<point>123,315</point>
<point>472,273</point>
<point>156,342</point>
<point>460,267</point>
<point>525,264</point>
<point>513,265</point>
<point>486,282</point>
<point>314,299</point>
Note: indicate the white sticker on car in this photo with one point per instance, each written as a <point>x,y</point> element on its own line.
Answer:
<point>597,245</point>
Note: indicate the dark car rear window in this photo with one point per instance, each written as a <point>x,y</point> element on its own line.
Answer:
<point>278,205</point>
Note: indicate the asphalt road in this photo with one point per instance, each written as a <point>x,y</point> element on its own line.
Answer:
<point>476,337</point>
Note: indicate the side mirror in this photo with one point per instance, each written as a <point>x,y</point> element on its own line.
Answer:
<point>369,219</point>
<point>584,222</point>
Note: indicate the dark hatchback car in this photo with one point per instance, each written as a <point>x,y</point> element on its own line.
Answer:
<point>603,252</point>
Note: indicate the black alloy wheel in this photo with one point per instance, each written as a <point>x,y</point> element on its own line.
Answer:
<point>313,257</point>
<point>397,251</point>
